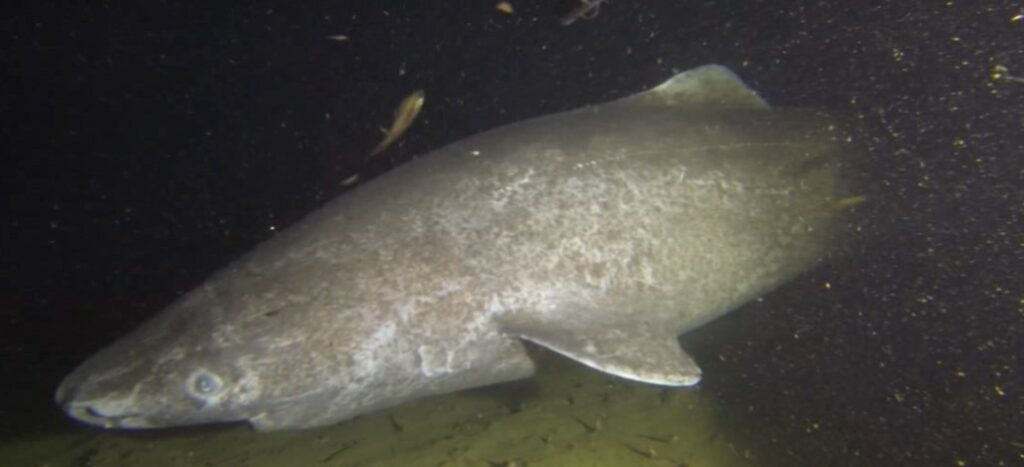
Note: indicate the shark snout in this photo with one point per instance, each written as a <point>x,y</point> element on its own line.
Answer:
<point>90,414</point>
<point>108,411</point>
<point>103,413</point>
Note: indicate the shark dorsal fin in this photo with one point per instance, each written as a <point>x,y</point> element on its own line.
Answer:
<point>704,87</point>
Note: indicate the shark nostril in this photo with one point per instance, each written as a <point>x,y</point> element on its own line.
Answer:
<point>92,412</point>
<point>95,415</point>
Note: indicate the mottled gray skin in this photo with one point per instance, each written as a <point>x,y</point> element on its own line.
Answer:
<point>601,233</point>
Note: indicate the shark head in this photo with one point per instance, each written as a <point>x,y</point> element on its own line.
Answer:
<point>187,366</point>
<point>130,390</point>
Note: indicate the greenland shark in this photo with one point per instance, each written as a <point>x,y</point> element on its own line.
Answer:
<point>602,233</point>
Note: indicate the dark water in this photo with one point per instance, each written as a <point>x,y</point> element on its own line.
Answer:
<point>148,145</point>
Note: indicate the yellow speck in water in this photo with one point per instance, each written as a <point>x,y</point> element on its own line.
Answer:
<point>1001,73</point>
<point>849,202</point>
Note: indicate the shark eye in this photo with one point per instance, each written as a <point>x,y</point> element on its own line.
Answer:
<point>203,384</point>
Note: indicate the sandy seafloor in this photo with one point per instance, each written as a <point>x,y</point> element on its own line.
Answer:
<point>568,415</point>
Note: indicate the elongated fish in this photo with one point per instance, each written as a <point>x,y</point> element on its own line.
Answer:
<point>407,111</point>
<point>601,233</point>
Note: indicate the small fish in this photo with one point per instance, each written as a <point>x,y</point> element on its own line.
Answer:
<point>587,10</point>
<point>404,115</point>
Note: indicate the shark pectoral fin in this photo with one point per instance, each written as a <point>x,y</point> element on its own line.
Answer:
<point>638,351</point>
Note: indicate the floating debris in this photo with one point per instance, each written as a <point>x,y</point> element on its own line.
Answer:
<point>587,10</point>
<point>350,180</point>
<point>849,202</point>
<point>660,439</point>
<point>505,7</point>
<point>649,453</point>
<point>1001,73</point>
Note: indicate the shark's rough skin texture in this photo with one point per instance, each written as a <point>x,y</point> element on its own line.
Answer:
<point>601,233</point>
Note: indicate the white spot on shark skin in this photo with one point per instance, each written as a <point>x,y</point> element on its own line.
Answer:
<point>248,387</point>
<point>450,357</point>
<point>382,336</point>
<point>495,305</point>
<point>434,361</point>
<point>374,350</point>
<point>516,187</point>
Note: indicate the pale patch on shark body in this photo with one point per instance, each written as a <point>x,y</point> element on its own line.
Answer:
<point>601,233</point>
